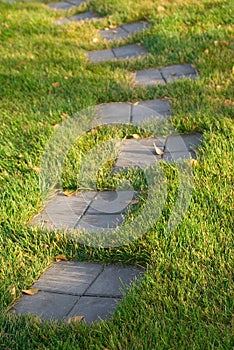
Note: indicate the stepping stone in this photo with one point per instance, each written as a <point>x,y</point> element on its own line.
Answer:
<point>78,18</point>
<point>149,77</point>
<point>62,212</point>
<point>124,31</point>
<point>130,51</point>
<point>112,113</point>
<point>151,109</point>
<point>181,147</point>
<point>69,289</point>
<point>124,52</point>
<point>179,71</point>
<point>139,153</point>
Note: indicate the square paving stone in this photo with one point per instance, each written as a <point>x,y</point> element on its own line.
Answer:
<point>100,221</point>
<point>61,5</point>
<point>100,56</point>
<point>111,202</point>
<point>177,156</point>
<point>130,51</point>
<point>179,71</point>
<point>151,109</point>
<point>114,280</point>
<point>78,18</point>
<point>112,113</point>
<point>135,27</point>
<point>182,143</point>
<point>63,212</point>
<point>114,34</point>
<point>46,305</point>
<point>68,277</point>
<point>78,2</point>
<point>149,77</point>
<point>94,308</point>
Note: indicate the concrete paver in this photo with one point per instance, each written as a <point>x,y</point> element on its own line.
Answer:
<point>179,71</point>
<point>78,18</point>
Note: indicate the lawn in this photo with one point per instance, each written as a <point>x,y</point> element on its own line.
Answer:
<point>185,300</point>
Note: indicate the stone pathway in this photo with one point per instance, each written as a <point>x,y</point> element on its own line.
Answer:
<point>73,289</point>
<point>81,289</point>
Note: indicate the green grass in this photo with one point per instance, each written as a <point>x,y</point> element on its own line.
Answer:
<point>184,301</point>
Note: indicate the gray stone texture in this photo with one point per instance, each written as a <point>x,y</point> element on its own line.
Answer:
<point>122,31</point>
<point>139,153</point>
<point>151,109</point>
<point>120,53</point>
<point>149,77</point>
<point>179,71</point>
<point>115,112</point>
<point>68,289</point>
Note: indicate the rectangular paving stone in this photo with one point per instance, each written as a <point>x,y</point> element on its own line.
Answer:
<point>94,308</point>
<point>100,221</point>
<point>150,109</point>
<point>100,56</point>
<point>61,5</point>
<point>149,77</point>
<point>111,113</point>
<point>110,202</point>
<point>182,143</point>
<point>179,71</point>
<point>47,306</point>
<point>78,2</point>
<point>113,34</point>
<point>176,156</point>
<point>135,27</point>
<point>114,280</point>
<point>68,277</point>
<point>63,212</point>
<point>130,51</point>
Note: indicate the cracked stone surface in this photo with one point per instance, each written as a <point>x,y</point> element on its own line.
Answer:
<point>163,75</point>
<point>66,5</point>
<point>123,31</point>
<point>68,289</point>
<point>120,53</point>
<point>78,18</point>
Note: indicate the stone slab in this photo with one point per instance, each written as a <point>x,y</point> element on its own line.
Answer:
<point>99,221</point>
<point>150,109</point>
<point>112,113</point>
<point>63,212</point>
<point>183,143</point>
<point>61,6</point>
<point>179,71</point>
<point>100,56</point>
<point>111,202</point>
<point>135,27</point>
<point>68,277</point>
<point>114,280</point>
<point>78,2</point>
<point>177,156</point>
<point>94,308</point>
<point>47,306</point>
<point>114,34</point>
<point>149,77</point>
<point>130,51</point>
